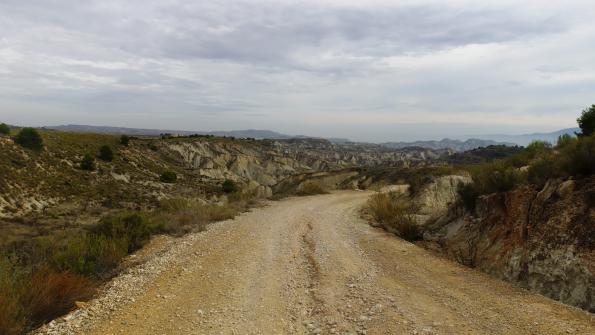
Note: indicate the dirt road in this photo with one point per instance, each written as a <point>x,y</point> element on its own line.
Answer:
<point>311,266</point>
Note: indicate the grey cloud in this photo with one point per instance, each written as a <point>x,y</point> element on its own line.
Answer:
<point>224,61</point>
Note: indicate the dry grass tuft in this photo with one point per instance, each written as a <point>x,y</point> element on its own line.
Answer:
<point>396,214</point>
<point>48,294</point>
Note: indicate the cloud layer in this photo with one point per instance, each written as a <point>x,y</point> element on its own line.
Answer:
<point>372,70</point>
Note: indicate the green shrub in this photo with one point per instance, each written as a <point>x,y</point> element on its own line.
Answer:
<point>88,254</point>
<point>564,140</point>
<point>153,147</point>
<point>124,140</point>
<point>543,169</point>
<point>536,148</point>
<point>499,176</point>
<point>310,188</point>
<point>578,158</point>
<point>4,129</point>
<point>29,138</point>
<point>88,163</point>
<point>587,121</point>
<point>168,177</point>
<point>229,186</point>
<point>133,228</point>
<point>106,153</point>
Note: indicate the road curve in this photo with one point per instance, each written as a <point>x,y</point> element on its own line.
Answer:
<point>310,265</point>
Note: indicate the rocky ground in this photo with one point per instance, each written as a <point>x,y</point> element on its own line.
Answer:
<point>311,265</point>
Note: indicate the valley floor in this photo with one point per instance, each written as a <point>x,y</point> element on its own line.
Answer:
<point>311,265</point>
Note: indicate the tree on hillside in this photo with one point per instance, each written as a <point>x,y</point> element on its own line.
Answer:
<point>587,121</point>
<point>29,138</point>
<point>106,153</point>
<point>4,129</point>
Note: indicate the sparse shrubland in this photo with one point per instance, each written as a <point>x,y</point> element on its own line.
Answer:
<point>571,157</point>
<point>396,214</point>
<point>56,270</point>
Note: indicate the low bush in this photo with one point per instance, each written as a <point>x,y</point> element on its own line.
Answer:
<point>229,186</point>
<point>499,176</point>
<point>32,296</point>
<point>578,157</point>
<point>124,140</point>
<point>310,188</point>
<point>12,318</point>
<point>48,294</point>
<point>106,153</point>
<point>542,169</point>
<point>168,177</point>
<point>88,163</point>
<point>4,129</point>
<point>133,228</point>
<point>396,214</point>
<point>179,216</point>
<point>29,138</point>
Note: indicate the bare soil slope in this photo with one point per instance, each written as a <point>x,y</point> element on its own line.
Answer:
<point>311,265</point>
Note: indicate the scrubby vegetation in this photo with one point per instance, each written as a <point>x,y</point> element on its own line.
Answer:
<point>311,188</point>
<point>168,176</point>
<point>51,273</point>
<point>539,162</point>
<point>229,186</point>
<point>396,214</point>
<point>4,129</point>
<point>29,138</point>
<point>88,163</point>
<point>106,153</point>
<point>124,140</point>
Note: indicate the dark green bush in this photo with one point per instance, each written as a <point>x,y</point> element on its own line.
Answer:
<point>578,157</point>
<point>168,177</point>
<point>229,186</point>
<point>153,147</point>
<point>29,138</point>
<point>4,129</point>
<point>124,140</point>
<point>88,163</point>
<point>106,153</point>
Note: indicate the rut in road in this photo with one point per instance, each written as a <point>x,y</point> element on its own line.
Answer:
<point>311,265</point>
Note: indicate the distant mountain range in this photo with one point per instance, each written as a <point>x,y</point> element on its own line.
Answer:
<point>528,138</point>
<point>458,145</point>
<point>447,143</point>
<point>252,133</point>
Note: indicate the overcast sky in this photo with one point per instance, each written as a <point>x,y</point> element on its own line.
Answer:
<point>366,70</point>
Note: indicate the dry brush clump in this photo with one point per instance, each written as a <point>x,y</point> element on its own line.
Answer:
<point>396,214</point>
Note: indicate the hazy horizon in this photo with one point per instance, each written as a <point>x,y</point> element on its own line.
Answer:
<point>375,71</point>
